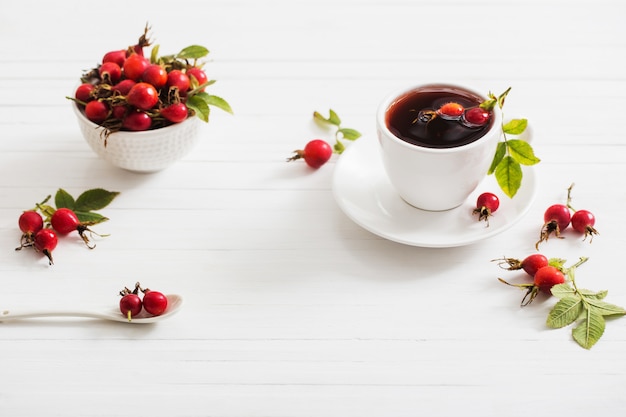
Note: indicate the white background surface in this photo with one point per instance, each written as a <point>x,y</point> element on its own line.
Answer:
<point>291,308</point>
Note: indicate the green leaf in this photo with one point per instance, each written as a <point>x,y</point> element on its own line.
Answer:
<point>94,199</point>
<point>218,102</point>
<point>193,52</point>
<point>349,134</point>
<point>590,329</point>
<point>502,97</point>
<point>515,126</point>
<point>46,210</point>
<point>154,55</point>
<point>339,147</point>
<point>489,104</point>
<point>604,308</point>
<point>334,118</point>
<point>509,176</point>
<point>562,291</point>
<point>565,312</point>
<point>318,117</point>
<point>522,152</point>
<point>497,158</point>
<point>199,106</point>
<point>557,262</point>
<point>598,295</point>
<point>63,199</point>
<point>90,218</point>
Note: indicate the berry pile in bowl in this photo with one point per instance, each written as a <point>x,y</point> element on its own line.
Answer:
<point>143,113</point>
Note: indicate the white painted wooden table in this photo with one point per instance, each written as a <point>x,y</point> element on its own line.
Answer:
<point>291,308</point>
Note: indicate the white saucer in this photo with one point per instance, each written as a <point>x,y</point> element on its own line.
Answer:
<point>366,196</point>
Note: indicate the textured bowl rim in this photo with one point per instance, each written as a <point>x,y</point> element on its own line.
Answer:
<point>81,115</point>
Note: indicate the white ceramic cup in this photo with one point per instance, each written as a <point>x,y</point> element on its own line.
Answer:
<point>435,179</point>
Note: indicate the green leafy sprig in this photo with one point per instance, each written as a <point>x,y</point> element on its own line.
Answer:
<point>587,309</point>
<point>340,132</point>
<point>510,154</point>
<point>85,205</point>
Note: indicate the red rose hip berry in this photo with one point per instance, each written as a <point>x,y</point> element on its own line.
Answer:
<point>154,302</point>
<point>198,74</point>
<point>556,219</point>
<point>180,80</point>
<point>117,57</point>
<point>110,72</point>
<point>130,305</point>
<point>486,205</point>
<point>583,221</point>
<point>175,113</point>
<point>143,96</point>
<point>124,86</point>
<point>65,221</point>
<point>547,277</point>
<point>83,92</point>
<point>45,241</point>
<point>137,121</point>
<point>155,75</point>
<point>451,111</point>
<point>96,111</point>
<point>531,264</point>
<point>475,117</point>
<point>30,222</point>
<point>134,66</point>
<point>316,153</point>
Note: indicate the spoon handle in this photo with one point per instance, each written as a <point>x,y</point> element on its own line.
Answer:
<point>7,315</point>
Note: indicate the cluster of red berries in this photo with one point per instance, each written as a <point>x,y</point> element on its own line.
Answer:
<point>131,303</point>
<point>559,217</point>
<point>128,91</point>
<point>471,117</point>
<point>44,238</point>
<point>545,274</point>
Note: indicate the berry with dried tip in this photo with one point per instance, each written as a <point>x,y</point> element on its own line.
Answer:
<point>65,221</point>
<point>30,222</point>
<point>530,264</point>
<point>547,277</point>
<point>544,279</point>
<point>316,153</point>
<point>556,219</point>
<point>45,241</point>
<point>486,205</point>
<point>110,72</point>
<point>130,303</point>
<point>583,221</point>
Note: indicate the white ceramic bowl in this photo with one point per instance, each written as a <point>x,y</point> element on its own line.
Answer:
<point>147,151</point>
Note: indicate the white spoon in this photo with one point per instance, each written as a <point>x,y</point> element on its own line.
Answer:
<point>174,302</point>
